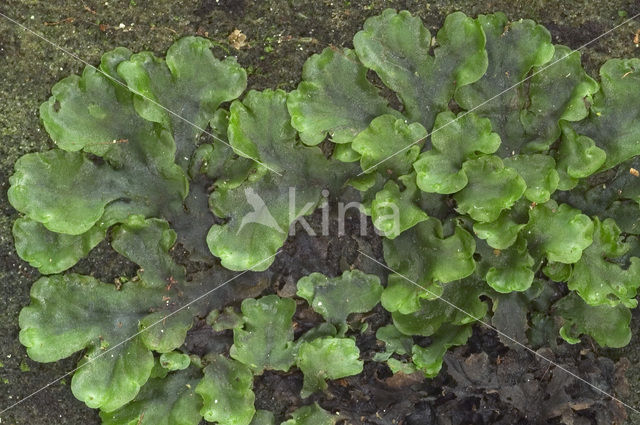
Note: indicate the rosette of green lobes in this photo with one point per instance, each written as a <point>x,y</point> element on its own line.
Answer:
<point>327,358</point>
<point>491,188</point>
<point>169,400</point>
<point>429,359</point>
<point>503,232</point>
<point>424,259</point>
<point>336,298</point>
<point>601,276</point>
<point>69,192</point>
<point>226,390</point>
<point>69,313</point>
<point>390,142</point>
<point>147,242</point>
<point>539,174</point>
<point>558,232</point>
<point>614,119</point>
<point>190,81</point>
<point>395,208</point>
<point>455,140</point>
<point>260,210</point>
<point>264,340</point>
<point>334,98</point>
<point>397,46</point>
<point>395,342</point>
<point>52,252</point>
<point>506,270</point>
<point>526,115</point>
<point>445,320</point>
<point>72,312</point>
<point>459,305</point>
<point>607,325</point>
<point>578,158</point>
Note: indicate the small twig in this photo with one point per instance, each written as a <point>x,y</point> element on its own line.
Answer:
<point>64,21</point>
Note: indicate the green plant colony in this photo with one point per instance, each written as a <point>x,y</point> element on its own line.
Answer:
<point>516,201</point>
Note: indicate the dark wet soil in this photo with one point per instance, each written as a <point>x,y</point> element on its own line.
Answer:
<point>482,383</point>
